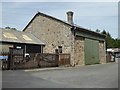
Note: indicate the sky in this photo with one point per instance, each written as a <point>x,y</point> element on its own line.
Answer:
<point>90,15</point>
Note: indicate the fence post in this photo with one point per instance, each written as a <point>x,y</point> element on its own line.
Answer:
<point>11,62</point>
<point>59,61</point>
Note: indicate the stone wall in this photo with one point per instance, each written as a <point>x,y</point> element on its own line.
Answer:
<point>79,51</point>
<point>102,53</point>
<point>53,33</point>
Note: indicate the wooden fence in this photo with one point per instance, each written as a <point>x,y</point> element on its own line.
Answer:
<point>34,60</point>
<point>64,59</point>
<point>4,64</point>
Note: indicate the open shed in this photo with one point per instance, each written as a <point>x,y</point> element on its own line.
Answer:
<point>20,40</point>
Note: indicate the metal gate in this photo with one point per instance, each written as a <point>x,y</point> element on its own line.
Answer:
<point>91,51</point>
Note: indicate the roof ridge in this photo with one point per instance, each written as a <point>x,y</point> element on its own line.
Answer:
<point>54,18</point>
<point>72,25</point>
<point>47,16</point>
<point>10,29</point>
<point>14,30</point>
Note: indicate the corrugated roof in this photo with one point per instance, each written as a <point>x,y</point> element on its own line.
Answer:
<point>89,31</point>
<point>16,36</point>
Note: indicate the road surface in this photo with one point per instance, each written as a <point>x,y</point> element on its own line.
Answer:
<point>94,76</point>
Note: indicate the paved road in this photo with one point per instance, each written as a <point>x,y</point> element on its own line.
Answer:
<point>98,76</point>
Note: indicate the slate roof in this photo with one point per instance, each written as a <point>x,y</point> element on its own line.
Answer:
<point>72,25</point>
<point>15,36</point>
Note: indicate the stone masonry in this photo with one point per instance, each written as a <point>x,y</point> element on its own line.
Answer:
<point>53,34</point>
<point>79,51</point>
<point>102,53</point>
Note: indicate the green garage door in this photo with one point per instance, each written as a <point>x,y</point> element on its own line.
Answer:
<point>91,51</point>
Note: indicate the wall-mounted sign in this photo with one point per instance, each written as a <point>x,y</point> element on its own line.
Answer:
<point>3,57</point>
<point>19,47</point>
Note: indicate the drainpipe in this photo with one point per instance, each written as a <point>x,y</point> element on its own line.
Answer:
<point>72,45</point>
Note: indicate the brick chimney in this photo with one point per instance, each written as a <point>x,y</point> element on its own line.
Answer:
<point>70,17</point>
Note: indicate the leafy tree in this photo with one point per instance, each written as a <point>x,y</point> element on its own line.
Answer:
<point>104,32</point>
<point>7,27</point>
<point>117,43</point>
<point>97,30</point>
<point>10,28</point>
<point>110,42</point>
<point>13,28</point>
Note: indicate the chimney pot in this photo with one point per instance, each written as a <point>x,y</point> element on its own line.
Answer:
<point>70,17</point>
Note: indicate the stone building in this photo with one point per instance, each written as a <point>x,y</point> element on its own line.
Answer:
<point>83,45</point>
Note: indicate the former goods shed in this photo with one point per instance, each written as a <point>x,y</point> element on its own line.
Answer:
<point>84,46</point>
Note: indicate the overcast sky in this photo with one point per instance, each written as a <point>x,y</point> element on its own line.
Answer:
<point>91,15</point>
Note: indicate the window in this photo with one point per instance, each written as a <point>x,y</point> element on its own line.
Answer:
<point>60,49</point>
<point>56,51</point>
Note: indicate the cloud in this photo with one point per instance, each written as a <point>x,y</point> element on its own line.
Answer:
<point>88,14</point>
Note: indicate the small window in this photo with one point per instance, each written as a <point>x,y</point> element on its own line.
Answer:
<point>60,49</point>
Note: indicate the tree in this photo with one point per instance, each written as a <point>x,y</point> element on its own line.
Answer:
<point>10,28</point>
<point>110,42</point>
<point>13,28</point>
<point>117,43</point>
<point>7,27</point>
<point>97,30</point>
<point>104,32</point>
